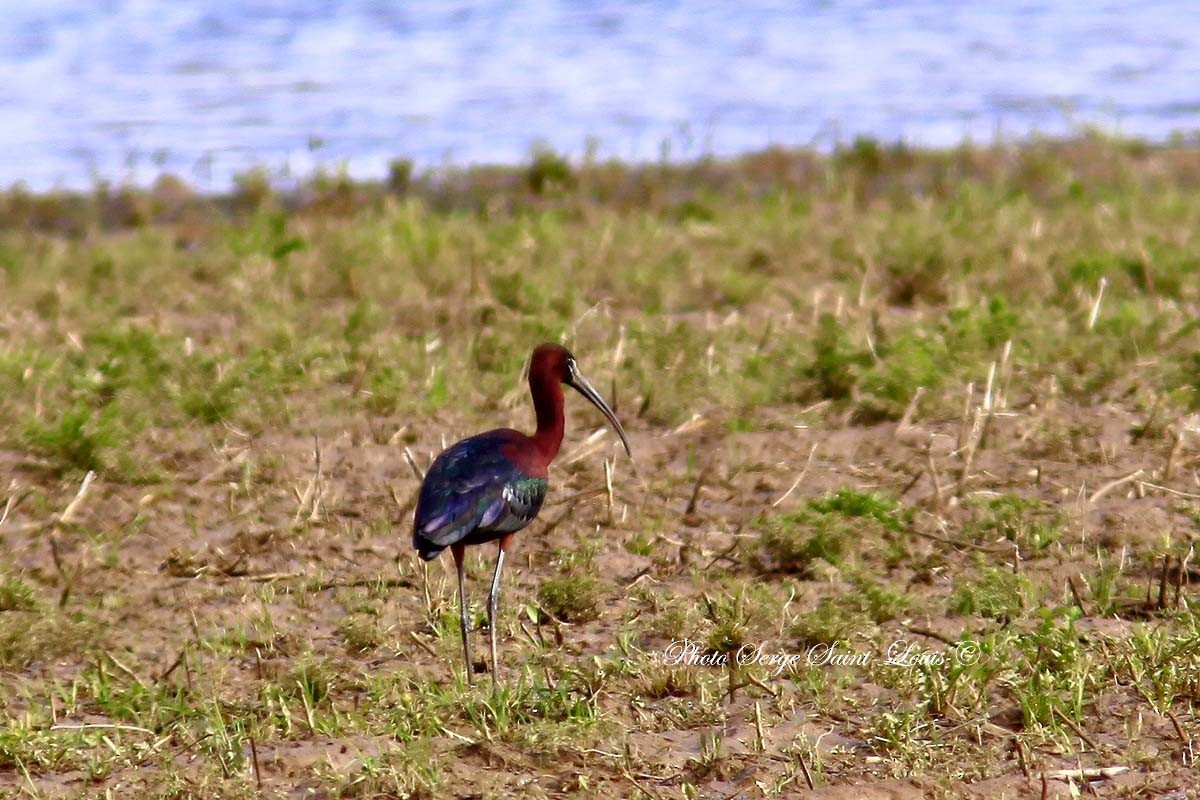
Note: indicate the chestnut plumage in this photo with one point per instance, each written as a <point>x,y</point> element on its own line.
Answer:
<point>487,487</point>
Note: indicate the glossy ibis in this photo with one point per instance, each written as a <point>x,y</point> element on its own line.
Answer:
<point>488,487</point>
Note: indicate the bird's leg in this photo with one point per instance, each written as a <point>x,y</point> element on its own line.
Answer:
<point>459,551</point>
<point>494,607</point>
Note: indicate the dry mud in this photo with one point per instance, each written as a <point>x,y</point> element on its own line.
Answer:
<point>253,529</point>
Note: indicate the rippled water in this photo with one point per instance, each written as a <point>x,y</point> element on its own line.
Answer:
<point>125,89</point>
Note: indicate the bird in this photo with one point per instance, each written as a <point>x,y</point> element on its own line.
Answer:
<point>488,487</point>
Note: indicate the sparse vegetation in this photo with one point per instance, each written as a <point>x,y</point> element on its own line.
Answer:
<point>879,405</point>
<point>571,598</point>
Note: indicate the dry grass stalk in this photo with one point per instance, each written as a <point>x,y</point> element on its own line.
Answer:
<point>588,446</point>
<point>933,475</point>
<point>15,498</point>
<point>402,508</point>
<point>1183,737</point>
<point>1051,394</point>
<point>988,396</point>
<point>1085,774</point>
<point>619,350</point>
<point>973,438</point>
<point>1095,312</point>
<point>395,437</point>
<point>1169,490</point>
<point>1173,454</point>
<point>804,768</point>
<point>808,462</point>
<point>68,513</point>
<point>1075,728</point>
<point>57,523</point>
<point>609,466</point>
<point>1076,596</point>
<point>412,464</point>
<point>225,468</point>
<point>1022,759</point>
<point>101,726</point>
<point>1113,484</point>
<point>964,421</point>
<point>310,500</point>
<point>910,411</point>
<point>1005,375</point>
<point>254,764</point>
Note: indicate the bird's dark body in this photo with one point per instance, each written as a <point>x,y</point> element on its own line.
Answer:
<point>478,490</point>
<point>488,487</point>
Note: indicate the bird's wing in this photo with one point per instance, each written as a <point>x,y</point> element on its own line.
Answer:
<point>473,486</point>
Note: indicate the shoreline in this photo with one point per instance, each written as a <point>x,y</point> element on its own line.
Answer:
<point>551,178</point>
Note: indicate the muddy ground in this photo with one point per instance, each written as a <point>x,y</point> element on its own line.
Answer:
<point>304,547</point>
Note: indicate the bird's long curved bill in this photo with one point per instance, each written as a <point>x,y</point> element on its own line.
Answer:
<point>581,385</point>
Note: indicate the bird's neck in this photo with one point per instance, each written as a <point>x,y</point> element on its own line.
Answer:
<point>548,403</point>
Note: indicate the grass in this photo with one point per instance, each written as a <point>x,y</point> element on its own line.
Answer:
<point>1004,465</point>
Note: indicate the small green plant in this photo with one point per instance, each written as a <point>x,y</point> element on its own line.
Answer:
<point>1056,671</point>
<point>906,363</point>
<point>834,621</point>
<point>668,681</point>
<point>825,530</point>
<point>799,541</point>
<point>361,633</point>
<point>836,362</point>
<point>1028,522</point>
<point>16,595</point>
<point>640,544</point>
<point>573,597</point>
<point>78,439</point>
<point>210,391</point>
<point>672,620</point>
<point>730,619</point>
<point>994,592</point>
<point>310,681</point>
<point>878,601</point>
<point>29,637</point>
<point>1165,664</point>
<point>872,505</point>
<point>904,732</point>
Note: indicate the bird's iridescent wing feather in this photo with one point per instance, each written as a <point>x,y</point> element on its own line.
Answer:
<point>474,488</point>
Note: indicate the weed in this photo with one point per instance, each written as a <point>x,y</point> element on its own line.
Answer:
<point>832,622</point>
<point>360,633</point>
<point>849,503</point>
<point>1031,524</point>
<point>835,361</point>
<point>570,597</point>
<point>26,638</point>
<point>825,530</point>
<point>995,592</point>
<point>16,595</point>
<point>797,542</point>
<point>78,439</point>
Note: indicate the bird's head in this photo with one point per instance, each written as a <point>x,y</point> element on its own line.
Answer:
<point>555,362</point>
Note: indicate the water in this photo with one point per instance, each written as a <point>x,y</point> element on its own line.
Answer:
<point>127,89</point>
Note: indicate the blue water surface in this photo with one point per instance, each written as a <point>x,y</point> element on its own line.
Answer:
<point>127,89</point>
